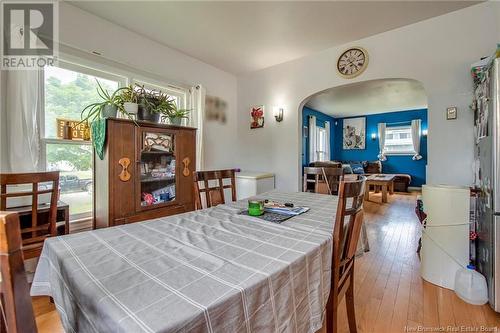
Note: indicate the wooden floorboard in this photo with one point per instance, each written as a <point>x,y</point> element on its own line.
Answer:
<point>390,296</point>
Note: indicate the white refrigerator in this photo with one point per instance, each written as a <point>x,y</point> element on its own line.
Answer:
<point>487,152</point>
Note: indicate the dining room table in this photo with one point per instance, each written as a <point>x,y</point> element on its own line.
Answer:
<point>210,270</point>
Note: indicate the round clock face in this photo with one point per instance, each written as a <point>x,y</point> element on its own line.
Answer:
<point>352,62</point>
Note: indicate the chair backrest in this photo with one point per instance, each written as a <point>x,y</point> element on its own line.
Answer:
<point>325,180</point>
<point>213,194</point>
<point>333,177</point>
<point>16,310</point>
<point>33,235</point>
<point>348,223</point>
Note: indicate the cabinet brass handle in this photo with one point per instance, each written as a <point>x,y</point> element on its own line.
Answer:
<point>124,174</point>
<point>186,162</point>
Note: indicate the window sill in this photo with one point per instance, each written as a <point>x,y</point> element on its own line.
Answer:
<point>400,154</point>
<point>79,225</point>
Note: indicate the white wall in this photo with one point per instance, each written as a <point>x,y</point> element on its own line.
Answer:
<point>87,32</point>
<point>438,52</point>
<point>3,125</point>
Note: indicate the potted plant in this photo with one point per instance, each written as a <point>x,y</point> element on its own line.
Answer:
<point>129,99</point>
<point>163,104</point>
<point>106,108</point>
<point>176,115</point>
<point>166,106</point>
<point>96,113</point>
<point>146,105</point>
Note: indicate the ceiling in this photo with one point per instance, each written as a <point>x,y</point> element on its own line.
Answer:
<point>240,36</point>
<point>370,97</point>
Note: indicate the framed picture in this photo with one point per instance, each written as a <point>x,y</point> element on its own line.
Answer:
<point>257,117</point>
<point>354,133</point>
<point>215,109</point>
<point>451,113</point>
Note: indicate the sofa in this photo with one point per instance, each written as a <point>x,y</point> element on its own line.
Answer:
<point>401,181</point>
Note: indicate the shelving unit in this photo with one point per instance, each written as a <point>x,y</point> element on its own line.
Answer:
<point>156,184</point>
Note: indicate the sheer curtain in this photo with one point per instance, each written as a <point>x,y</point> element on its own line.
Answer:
<point>196,103</point>
<point>327,143</point>
<point>24,98</point>
<point>313,140</point>
<point>381,141</point>
<point>415,137</point>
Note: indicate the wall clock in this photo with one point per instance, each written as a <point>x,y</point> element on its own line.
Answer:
<point>352,62</point>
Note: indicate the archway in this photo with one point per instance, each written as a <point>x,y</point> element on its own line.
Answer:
<point>391,101</point>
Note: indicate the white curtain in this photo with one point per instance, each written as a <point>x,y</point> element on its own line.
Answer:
<point>196,103</point>
<point>313,140</point>
<point>381,141</point>
<point>24,98</point>
<point>415,137</point>
<point>327,143</point>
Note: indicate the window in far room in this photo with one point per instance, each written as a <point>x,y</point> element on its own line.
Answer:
<point>398,140</point>
<point>322,144</point>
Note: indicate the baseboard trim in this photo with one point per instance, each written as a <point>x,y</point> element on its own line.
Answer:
<point>414,188</point>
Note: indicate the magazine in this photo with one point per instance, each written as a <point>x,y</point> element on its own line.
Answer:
<point>280,208</point>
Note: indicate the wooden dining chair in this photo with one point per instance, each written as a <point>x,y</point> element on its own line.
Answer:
<point>333,177</point>
<point>16,310</point>
<point>213,195</point>
<point>324,180</point>
<point>346,232</point>
<point>32,235</point>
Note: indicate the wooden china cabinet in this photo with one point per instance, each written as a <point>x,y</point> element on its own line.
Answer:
<point>146,173</point>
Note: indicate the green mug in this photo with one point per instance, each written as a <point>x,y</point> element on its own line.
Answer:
<point>255,207</point>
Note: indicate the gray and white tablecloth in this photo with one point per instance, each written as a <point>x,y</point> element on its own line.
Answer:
<point>203,271</point>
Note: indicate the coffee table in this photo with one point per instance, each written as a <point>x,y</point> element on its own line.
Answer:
<point>382,182</point>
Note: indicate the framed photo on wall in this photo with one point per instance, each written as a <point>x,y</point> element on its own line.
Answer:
<point>257,116</point>
<point>354,133</point>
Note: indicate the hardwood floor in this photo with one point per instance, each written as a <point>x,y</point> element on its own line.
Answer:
<point>390,296</point>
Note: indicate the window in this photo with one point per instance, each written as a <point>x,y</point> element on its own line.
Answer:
<point>68,89</point>
<point>398,140</point>
<point>322,144</point>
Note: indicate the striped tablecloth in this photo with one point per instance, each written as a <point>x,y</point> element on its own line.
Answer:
<point>203,271</point>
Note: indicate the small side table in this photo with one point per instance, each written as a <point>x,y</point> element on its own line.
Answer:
<point>384,182</point>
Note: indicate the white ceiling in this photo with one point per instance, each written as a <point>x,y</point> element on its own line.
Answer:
<point>370,97</point>
<point>246,36</point>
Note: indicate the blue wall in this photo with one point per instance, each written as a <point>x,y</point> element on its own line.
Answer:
<point>394,164</point>
<point>320,122</point>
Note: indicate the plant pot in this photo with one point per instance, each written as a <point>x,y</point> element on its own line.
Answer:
<point>109,111</point>
<point>176,121</point>
<point>144,113</point>
<point>131,108</point>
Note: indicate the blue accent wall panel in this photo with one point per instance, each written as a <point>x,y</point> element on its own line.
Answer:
<point>320,122</point>
<point>394,164</point>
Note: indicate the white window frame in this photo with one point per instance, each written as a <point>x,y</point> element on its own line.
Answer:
<point>124,78</point>
<point>409,152</point>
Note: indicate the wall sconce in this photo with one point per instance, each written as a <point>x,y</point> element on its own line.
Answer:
<point>374,136</point>
<point>278,113</point>
<point>424,132</point>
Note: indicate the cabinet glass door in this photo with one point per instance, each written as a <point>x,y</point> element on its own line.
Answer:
<point>157,168</point>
